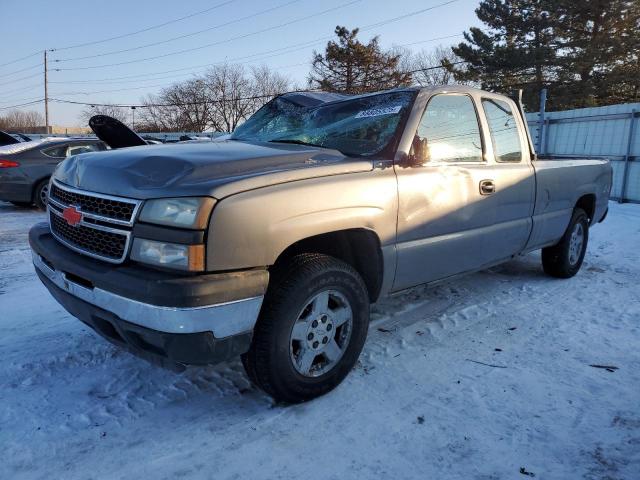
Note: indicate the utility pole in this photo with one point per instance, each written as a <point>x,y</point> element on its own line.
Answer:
<point>46,95</point>
<point>133,118</point>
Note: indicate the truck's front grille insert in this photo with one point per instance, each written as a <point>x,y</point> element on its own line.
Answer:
<point>104,244</point>
<point>103,206</point>
<point>94,224</point>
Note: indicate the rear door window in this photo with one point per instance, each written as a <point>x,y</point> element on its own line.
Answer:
<point>505,135</point>
<point>56,152</point>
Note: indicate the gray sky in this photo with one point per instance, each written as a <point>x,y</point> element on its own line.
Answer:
<point>280,33</point>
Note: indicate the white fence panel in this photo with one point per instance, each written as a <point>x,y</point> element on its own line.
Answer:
<point>611,132</point>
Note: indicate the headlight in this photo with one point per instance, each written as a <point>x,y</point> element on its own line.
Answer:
<point>170,255</point>
<point>178,212</point>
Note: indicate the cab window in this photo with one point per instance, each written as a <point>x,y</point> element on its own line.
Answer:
<point>66,150</point>
<point>84,148</point>
<point>449,130</point>
<point>504,130</point>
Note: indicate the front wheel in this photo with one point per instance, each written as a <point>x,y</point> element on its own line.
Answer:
<point>311,330</point>
<point>41,194</point>
<point>564,259</point>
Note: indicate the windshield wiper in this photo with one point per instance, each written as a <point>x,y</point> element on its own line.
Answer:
<point>295,142</point>
<point>309,144</point>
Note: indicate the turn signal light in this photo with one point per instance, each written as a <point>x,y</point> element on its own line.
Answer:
<point>8,163</point>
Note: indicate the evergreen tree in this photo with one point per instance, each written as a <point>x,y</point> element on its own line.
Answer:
<point>586,53</point>
<point>349,66</point>
<point>599,41</point>
<point>516,50</point>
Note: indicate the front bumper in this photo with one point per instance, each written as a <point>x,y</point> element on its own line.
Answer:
<point>185,319</point>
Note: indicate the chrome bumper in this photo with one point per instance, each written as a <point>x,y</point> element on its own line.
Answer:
<point>223,319</point>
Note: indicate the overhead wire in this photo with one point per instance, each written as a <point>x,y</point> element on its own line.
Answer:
<point>39,65</point>
<point>176,104</point>
<point>20,59</point>
<point>180,37</point>
<point>220,42</point>
<point>22,104</point>
<point>153,27</point>
<point>152,77</point>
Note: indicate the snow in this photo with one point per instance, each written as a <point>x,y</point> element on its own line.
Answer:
<point>417,405</point>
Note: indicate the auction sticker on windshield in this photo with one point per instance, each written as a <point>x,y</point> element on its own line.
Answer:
<point>374,112</point>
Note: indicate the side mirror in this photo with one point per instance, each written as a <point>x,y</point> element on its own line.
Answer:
<point>419,153</point>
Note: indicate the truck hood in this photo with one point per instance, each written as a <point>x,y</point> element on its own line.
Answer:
<point>216,169</point>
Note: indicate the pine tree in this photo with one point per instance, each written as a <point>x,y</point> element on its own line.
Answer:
<point>349,66</point>
<point>600,45</point>
<point>516,50</point>
<point>585,52</point>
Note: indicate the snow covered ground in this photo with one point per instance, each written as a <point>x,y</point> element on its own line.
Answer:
<point>422,403</point>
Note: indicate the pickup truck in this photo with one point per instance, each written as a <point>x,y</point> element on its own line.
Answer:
<point>273,243</point>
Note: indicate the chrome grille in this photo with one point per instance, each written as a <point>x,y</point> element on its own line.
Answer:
<point>104,230</point>
<point>106,207</point>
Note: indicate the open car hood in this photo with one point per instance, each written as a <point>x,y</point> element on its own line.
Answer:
<point>114,133</point>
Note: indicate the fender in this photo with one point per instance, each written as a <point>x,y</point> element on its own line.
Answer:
<point>251,229</point>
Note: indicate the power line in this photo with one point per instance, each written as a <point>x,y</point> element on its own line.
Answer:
<point>22,70</point>
<point>178,52</point>
<point>152,76</point>
<point>286,49</point>
<point>153,27</point>
<point>22,104</point>
<point>22,88</point>
<point>182,104</point>
<point>19,59</point>
<point>20,100</point>
<point>418,12</point>
<point>187,35</point>
<point>276,68</point>
<point>21,78</point>
<point>435,67</point>
<point>254,97</point>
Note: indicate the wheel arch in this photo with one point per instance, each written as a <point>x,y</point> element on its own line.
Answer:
<point>587,202</point>
<point>358,247</point>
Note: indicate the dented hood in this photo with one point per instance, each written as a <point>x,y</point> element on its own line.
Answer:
<point>216,169</point>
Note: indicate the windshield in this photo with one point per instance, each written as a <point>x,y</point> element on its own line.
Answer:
<point>358,126</point>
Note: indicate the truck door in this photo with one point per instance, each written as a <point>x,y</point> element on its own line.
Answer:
<point>512,177</point>
<point>444,219</point>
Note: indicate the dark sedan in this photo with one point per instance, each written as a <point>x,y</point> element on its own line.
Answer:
<point>25,167</point>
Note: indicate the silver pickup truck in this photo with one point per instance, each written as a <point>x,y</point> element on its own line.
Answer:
<point>273,243</point>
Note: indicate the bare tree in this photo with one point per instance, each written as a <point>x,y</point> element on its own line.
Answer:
<point>429,67</point>
<point>268,84</point>
<point>184,106</point>
<point>232,91</point>
<point>119,113</point>
<point>21,121</point>
<point>222,98</point>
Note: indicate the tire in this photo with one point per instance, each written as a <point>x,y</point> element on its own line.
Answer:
<point>40,194</point>
<point>564,259</point>
<point>326,301</point>
<point>22,204</point>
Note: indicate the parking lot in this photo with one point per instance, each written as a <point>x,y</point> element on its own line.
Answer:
<point>496,375</point>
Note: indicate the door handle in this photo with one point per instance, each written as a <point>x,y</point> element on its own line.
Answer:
<point>487,187</point>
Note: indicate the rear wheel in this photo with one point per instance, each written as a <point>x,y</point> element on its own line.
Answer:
<point>40,194</point>
<point>311,330</point>
<point>564,259</point>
